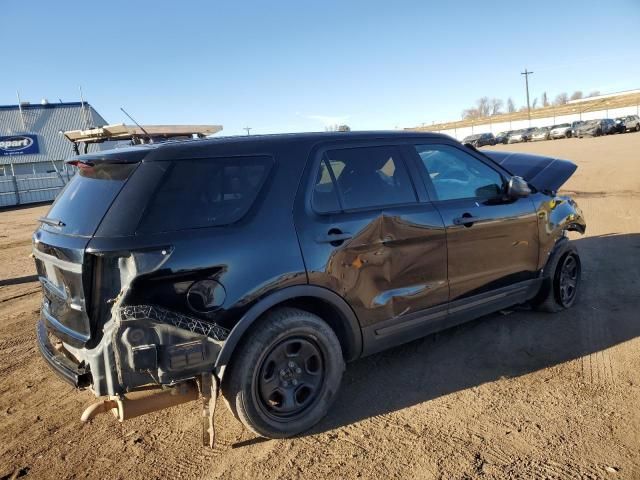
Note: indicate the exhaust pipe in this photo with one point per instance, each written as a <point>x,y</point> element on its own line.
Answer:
<point>141,402</point>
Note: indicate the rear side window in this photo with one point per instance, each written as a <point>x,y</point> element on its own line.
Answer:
<point>358,178</point>
<point>87,197</point>
<point>205,193</point>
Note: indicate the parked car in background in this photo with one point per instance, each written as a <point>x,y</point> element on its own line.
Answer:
<point>523,135</point>
<point>480,139</point>
<point>619,126</point>
<point>610,126</point>
<point>542,133</point>
<point>142,310</point>
<point>503,137</point>
<point>632,123</point>
<point>595,128</point>
<point>562,130</point>
<point>574,127</point>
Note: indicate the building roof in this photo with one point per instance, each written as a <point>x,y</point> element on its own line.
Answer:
<point>47,121</point>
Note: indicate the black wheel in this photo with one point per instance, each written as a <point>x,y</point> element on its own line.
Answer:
<point>285,374</point>
<point>560,290</point>
<point>568,134</point>
<point>637,127</point>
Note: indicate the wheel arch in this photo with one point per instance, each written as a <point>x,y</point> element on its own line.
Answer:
<point>325,303</point>
<point>561,248</point>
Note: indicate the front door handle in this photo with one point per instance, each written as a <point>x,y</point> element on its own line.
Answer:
<point>335,237</point>
<point>466,219</point>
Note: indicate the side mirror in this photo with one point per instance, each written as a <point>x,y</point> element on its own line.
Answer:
<point>518,188</point>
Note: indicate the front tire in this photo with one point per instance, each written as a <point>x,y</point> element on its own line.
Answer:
<point>559,291</point>
<point>285,374</point>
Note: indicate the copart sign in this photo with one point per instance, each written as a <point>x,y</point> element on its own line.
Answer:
<point>19,145</point>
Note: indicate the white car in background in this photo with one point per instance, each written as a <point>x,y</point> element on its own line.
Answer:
<point>542,133</point>
<point>562,130</point>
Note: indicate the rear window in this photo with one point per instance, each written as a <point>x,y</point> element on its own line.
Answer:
<point>205,193</point>
<point>87,197</point>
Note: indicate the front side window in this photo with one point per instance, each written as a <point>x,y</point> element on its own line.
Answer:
<point>456,174</point>
<point>364,177</point>
<point>205,193</point>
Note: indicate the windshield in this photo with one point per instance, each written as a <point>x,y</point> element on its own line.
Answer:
<point>80,206</point>
<point>471,137</point>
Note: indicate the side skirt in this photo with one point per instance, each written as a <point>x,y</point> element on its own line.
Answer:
<point>406,328</point>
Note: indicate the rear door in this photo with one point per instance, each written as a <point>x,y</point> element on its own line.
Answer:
<point>367,233</point>
<point>492,242</point>
<point>59,248</point>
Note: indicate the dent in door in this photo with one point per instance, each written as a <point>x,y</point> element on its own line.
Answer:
<point>391,267</point>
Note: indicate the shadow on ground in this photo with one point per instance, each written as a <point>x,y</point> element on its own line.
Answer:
<point>500,345</point>
<point>19,280</point>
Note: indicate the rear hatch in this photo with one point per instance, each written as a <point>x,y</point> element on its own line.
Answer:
<point>64,269</point>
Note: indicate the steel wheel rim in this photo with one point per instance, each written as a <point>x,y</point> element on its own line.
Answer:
<point>290,377</point>
<point>568,284</point>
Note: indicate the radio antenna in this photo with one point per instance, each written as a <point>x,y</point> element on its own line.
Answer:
<point>84,111</point>
<point>137,124</point>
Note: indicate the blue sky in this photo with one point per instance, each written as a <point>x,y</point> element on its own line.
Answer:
<point>295,66</point>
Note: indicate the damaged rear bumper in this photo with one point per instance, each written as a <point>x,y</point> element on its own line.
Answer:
<point>141,346</point>
<point>65,368</point>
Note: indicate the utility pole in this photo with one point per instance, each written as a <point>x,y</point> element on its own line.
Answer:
<point>248,129</point>
<point>526,82</point>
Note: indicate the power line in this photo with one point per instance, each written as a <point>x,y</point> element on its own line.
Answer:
<point>526,81</point>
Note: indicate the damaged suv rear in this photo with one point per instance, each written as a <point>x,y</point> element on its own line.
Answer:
<point>260,265</point>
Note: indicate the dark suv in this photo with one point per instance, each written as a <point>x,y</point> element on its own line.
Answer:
<point>261,264</point>
<point>480,140</point>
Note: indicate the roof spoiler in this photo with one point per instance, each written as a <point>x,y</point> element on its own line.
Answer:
<point>120,155</point>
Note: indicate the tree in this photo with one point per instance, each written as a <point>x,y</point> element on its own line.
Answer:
<point>496,106</point>
<point>545,99</point>
<point>534,103</point>
<point>511,107</point>
<point>483,106</point>
<point>561,99</point>
<point>470,114</point>
<point>337,128</point>
<point>577,95</point>
<point>595,93</point>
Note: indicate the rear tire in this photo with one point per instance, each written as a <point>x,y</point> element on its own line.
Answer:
<point>285,374</point>
<point>560,289</point>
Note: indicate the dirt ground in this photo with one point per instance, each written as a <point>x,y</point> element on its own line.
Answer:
<point>518,395</point>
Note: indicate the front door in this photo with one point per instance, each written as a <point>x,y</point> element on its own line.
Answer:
<point>492,241</point>
<point>365,235</point>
